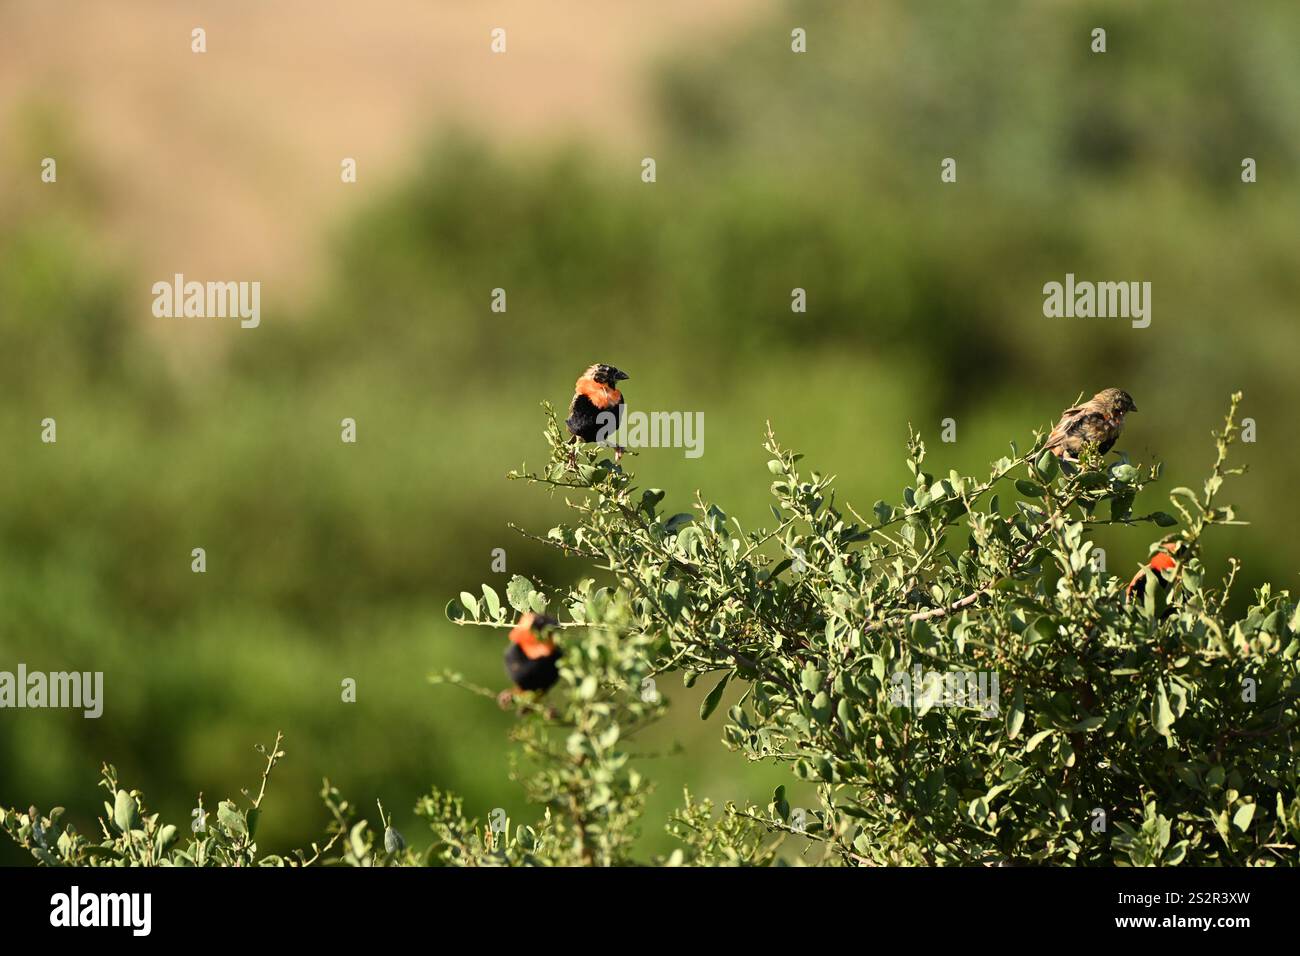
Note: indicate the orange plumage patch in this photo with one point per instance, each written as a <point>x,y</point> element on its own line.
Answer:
<point>602,396</point>
<point>1161,561</point>
<point>533,646</point>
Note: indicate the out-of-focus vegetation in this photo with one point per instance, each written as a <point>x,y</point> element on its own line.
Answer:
<point>775,171</point>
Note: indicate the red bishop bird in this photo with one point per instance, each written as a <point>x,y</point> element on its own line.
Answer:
<point>531,657</point>
<point>596,411</point>
<point>1162,560</point>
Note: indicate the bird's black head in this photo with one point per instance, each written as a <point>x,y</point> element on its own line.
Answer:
<point>541,623</point>
<point>605,374</point>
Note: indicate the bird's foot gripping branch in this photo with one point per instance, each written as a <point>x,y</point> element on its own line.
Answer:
<point>955,676</point>
<point>955,673</point>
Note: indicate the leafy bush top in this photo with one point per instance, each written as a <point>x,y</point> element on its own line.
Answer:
<point>1156,730</point>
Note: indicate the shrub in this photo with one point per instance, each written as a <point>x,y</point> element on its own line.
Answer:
<point>1075,725</point>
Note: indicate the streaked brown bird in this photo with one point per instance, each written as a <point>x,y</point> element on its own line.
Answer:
<point>596,411</point>
<point>531,656</point>
<point>1098,420</point>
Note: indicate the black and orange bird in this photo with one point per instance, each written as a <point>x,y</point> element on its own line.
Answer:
<point>1099,420</point>
<point>596,411</point>
<point>1162,560</point>
<point>531,656</point>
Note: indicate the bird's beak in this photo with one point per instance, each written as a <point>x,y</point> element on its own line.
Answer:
<point>619,376</point>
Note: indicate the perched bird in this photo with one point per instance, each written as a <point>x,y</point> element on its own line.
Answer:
<point>531,656</point>
<point>1162,560</point>
<point>1099,420</point>
<point>596,411</point>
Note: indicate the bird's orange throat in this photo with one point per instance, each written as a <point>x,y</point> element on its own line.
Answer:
<point>1162,562</point>
<point>533,646</point>
<point>602,396</point>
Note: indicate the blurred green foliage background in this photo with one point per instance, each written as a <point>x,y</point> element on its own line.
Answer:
<point>775,170</point>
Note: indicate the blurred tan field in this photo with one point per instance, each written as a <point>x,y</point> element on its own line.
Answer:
<point>227,163</point>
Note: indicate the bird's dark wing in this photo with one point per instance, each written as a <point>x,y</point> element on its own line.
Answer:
<point>1095,427</point>
<point>573,409</point>
<point>1078,425</point>
<point>1064,430</point>
<point>585,419</point>
<point>532,673</point>
<point>582,418</point>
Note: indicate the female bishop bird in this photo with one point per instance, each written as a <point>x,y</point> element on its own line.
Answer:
<point>1099,420</point>
<point>531,656</point>
<point>596,411</point>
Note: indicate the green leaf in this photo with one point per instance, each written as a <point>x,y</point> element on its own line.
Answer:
<point>254,814</point>
<point>393,841</point>
<point>230,818</point>
<point>493,602</point>
<point>471,604</point>
<point>1043,628</point>
<point>650,498</point>
<point>1037,739</point>
<point>1029,489</point>
<point>1162,716</point>
<point>710,702</point>
<point>1124,473</point>
<point>166,837</point>
<point>357,841</point>
<point>1241,819</point>
<point>811,679</point>
<point>126,815</point>
<point>1016,715</point>
<point>518,592</point>
<point>776,466</point>
<point>1047,466</point>
<point>677,522</point>
<point>1163,519</point>
<point>821,707</point>
<point>779,803</point>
